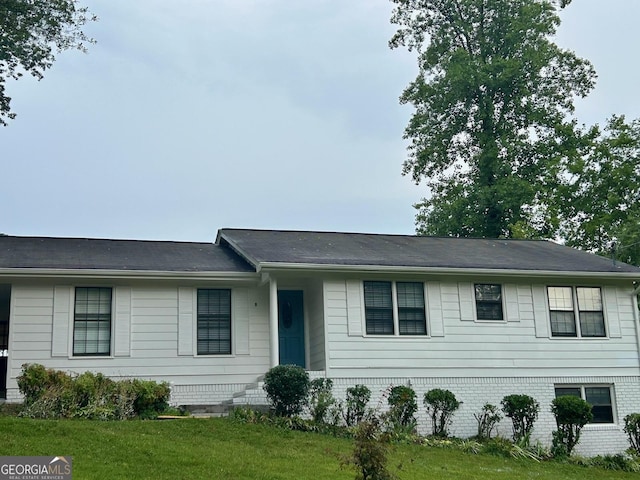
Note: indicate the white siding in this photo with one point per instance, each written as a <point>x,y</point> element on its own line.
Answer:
<point>146,331</point>
<point>519,346</point>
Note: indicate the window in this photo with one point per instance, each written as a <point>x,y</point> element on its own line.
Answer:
<point>92,321</point>
<point>598,396</point>
<point>564,302</point>
<point>214,321</point>
<point>382,312</point>
<point>378,307</point>
<point>488,301</point>
<point>411,316</point>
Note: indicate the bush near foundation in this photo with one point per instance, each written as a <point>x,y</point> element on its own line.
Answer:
<point>523,412</point>
<point>632,429</point>
<point>572,413</point>
<point>402,408</point>
<point>50,393</point>
<point>357,399</point>
<point>440,405</point>
<point>287,387</point>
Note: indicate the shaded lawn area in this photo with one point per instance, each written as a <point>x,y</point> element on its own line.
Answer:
<point>221,449</point>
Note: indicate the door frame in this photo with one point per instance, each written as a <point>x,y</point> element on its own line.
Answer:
<point>303,325</point>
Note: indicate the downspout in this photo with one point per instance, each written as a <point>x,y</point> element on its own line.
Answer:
<point>273,322</point>
<point>636,319</point>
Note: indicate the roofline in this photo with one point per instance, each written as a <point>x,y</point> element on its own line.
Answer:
<point>128,274</point>
<point>319,267</point>
<point>239,251</point>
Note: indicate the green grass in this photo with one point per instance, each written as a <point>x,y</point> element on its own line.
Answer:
<point>219,448</point>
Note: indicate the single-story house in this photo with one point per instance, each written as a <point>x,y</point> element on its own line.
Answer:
<point>483,318</point>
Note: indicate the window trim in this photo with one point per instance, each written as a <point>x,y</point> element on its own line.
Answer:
<point>231,325</point>
<point>583,395</point>
<point>503,307</point>
<point>108,354</point>
<point>395,311</point>
<point>576,313</point>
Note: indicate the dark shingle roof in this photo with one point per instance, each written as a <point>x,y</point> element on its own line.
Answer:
<point>99,254</point>
<point>358,249</point>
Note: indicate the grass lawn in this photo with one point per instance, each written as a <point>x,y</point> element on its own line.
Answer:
<point>219,448</point>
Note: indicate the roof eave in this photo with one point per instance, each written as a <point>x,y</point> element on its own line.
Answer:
<point>125,274</point>
<point>393,269</point>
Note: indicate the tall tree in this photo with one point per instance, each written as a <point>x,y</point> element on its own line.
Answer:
<point>493,103</point>
<point>600,207</point>
<point>31,32</point>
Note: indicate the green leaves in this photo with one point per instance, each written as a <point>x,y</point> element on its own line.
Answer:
<point>601,208</point>
<point>492,94</point>
<point>31,32</point>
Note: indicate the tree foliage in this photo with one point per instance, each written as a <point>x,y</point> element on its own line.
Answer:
<point>600,207</point>
<point>493,102</point>
<point>31,33</point>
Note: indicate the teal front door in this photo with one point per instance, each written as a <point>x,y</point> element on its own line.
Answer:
<point>291,327</point>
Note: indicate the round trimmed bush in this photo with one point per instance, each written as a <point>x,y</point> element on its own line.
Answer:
<point>287,387</point>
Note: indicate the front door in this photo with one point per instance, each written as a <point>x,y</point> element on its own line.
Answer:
<point>291,327</point>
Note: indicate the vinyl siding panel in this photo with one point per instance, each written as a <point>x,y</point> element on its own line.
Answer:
<point>519,346</point>
<point>151,325</point>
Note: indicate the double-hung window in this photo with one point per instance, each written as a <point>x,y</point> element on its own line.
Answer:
<point>92,321</point>
<point>488,301</point>
<point>214,321</point>
<point>568,303</point>
<point>598,396</point>
<point>392,307</point>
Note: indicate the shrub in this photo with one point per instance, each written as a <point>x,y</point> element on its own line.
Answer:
<point>357,399</point>
<point>572,413</point>
<point>370,451</point>
<point>523,412</point>
<point>149,398</point>
<point>287,387</point>
<point>35,380</point>
<point>321,398</point>
<point>54,394</point>
<point>487,420</point>
<point>440,405</point>
<point>632,429</point>
<point>403,406</point>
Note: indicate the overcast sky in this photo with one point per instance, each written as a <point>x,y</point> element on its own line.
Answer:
<point>191,116</point>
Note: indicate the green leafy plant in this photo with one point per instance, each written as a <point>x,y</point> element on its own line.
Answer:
<point>287,387</point>
<point>632,429</point>
<point>52,393</point>
<point>357,399</point>
<point>523,412</point>
<point>572,413</point>
<point>402,408</point>
<point>370,451</point>
<point>440,405</point>
<point>488,419</point>
<point>321,399</point>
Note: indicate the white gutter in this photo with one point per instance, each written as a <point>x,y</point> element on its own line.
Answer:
<point>636,319</point>
<point>468,271</point>
<point>128,274</point>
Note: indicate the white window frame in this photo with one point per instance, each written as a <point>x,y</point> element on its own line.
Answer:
<point>583,396</point>
<point>395,309</point>
<point>576,312</point>
<point>112,318</point>
<point>231,325</point>
<point>475,305</point>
